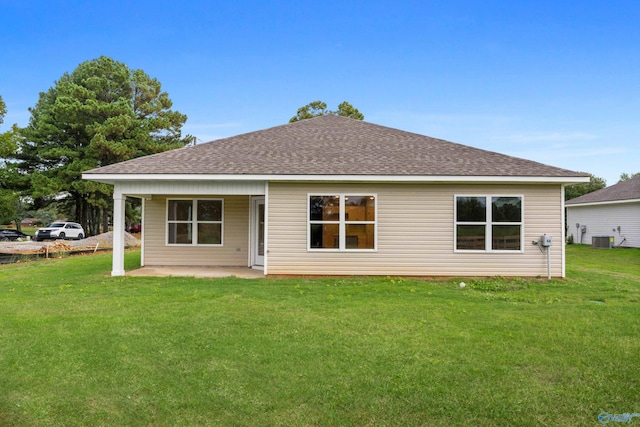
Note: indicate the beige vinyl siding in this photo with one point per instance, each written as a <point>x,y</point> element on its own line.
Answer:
<point>415,227</point>
<point>234,251</point>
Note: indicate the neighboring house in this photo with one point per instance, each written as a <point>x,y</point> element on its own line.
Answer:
<point>337,196</point>
<point>613,211</point>
<point>28,222</point>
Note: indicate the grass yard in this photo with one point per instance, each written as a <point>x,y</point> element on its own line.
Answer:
<point>78,347</point>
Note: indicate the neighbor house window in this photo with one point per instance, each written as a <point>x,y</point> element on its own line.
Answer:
<point>342,222</point>
<point>488,223</point>
<point>194,222</point>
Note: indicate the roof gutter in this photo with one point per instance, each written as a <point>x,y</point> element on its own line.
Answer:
<point>113,178</point>
<point>604,202</point>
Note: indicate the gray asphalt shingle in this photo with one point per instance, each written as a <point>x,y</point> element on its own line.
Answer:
<point>334,145</point>
<point>625,190</point>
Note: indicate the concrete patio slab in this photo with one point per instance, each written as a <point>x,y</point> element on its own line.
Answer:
<point>199,272</point>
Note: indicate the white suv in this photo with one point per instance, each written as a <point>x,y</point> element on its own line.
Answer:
<point>60,230</point>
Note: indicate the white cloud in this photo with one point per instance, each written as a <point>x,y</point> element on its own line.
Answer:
<point>205,132</point>
<point>552,137</point>
<point>461,119</point>
<point>566,152</point>
<point>205,126</point>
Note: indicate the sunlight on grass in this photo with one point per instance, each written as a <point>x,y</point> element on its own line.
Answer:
<point>79,347</point>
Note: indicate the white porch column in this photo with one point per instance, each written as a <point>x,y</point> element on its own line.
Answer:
<point>117,268</point>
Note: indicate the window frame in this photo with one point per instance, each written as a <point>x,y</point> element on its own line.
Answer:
<point>342,222</point>
<point>488,223</point>
<point>194,222</point>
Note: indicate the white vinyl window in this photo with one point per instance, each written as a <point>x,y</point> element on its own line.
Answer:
<point>342,222</point>
<point>195,221</point>
<point>488,223</point>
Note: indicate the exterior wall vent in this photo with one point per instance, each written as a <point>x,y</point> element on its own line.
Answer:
<point>602,242</point>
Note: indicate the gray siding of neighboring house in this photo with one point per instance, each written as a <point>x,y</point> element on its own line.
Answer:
<point>603,220</point>
<point>234,251</point>
<point>415,227</point>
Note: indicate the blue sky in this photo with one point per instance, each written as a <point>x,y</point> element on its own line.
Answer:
<point>552,81</point>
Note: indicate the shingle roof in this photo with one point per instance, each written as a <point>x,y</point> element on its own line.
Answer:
<point>334,145</point>
<point>625,190</point>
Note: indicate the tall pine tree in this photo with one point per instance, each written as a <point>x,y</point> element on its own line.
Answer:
<point>319,108</point>
<point>99,114</point>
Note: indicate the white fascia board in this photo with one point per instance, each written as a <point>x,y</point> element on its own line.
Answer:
<point>113,178</point>
<point>608,202</point>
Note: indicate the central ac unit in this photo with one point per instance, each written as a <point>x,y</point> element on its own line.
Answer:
<point>601,242</point>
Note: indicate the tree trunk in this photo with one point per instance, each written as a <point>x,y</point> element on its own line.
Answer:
<point>81,213</point>
<point>78,199</point>
<point>89,220</point>
<point>95,217</point>
<point>105,220</point>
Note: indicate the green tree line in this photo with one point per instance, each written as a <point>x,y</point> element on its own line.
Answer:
<point>101,113</point>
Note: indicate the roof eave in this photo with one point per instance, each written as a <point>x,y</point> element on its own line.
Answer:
<point>603,202</point>
<point>114,178</point>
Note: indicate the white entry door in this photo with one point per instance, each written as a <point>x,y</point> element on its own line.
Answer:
<point>258,231</point>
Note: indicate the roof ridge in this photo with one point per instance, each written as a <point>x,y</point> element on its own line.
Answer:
<point>334,145</point>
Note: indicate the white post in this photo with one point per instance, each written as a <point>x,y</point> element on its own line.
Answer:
<point>266,228</point>
<point>563,242</point>
<point>117,268</point>
<point>144,227</point>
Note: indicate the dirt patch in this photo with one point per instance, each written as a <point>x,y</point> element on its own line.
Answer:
<point>101,241</point>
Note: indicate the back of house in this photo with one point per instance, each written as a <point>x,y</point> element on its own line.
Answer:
<point>337,196</point>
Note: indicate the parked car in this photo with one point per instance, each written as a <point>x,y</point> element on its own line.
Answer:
<point>7,234</point>
<point>135,228</point>
<point>60,230</point>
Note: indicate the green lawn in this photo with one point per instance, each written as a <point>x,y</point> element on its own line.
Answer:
<point>78,347</point>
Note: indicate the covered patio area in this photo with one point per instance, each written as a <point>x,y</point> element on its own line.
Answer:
<point>198,272</point>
